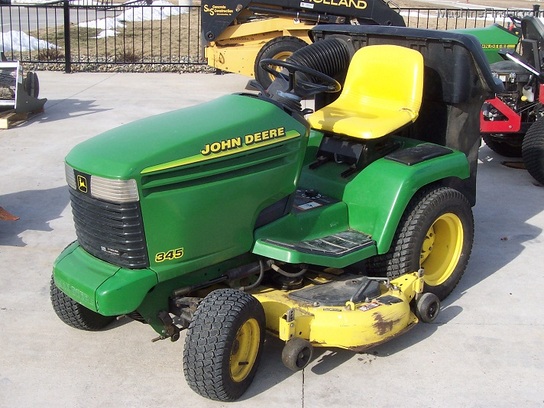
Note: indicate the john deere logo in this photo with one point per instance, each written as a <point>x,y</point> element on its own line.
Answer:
<point>82,184</point>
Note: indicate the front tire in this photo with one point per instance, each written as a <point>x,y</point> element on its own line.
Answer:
<point>435,233</point>
<point>533,150</point>
<point>75,314</point>
<point>224,344</point>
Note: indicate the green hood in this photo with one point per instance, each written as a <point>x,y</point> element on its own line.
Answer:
<point>174,138</point>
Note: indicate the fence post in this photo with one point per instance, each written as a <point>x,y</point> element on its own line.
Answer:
<point>67,51</point>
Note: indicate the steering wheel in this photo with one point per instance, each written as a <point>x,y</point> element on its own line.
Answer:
<point>297,85</point>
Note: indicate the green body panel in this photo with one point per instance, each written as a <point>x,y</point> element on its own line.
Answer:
<point>100,286</point>
<point>187,194</point>
<point>376,207</point>
<point>371,202</point>
<point>214,215</point>
<point>493,38</point>
<point>208,205</point>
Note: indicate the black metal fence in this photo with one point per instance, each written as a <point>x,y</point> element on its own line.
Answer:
<point>451,19</point>
<point>104,37</point>
<point>153,37</point>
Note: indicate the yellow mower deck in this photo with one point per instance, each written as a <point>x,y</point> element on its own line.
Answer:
<point>326,315</point>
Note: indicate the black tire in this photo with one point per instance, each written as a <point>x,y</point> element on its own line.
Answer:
<point>75,314</point>
<point>227,329</point>
<point>533,150</point>
<point>435,233</point>
<point>427,307</point>
<point>297,353</point>
<point>279,48</point>
<point>31,84</point>
<point>502,146</point>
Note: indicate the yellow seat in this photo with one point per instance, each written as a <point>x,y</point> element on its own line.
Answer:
<point>382,93</point>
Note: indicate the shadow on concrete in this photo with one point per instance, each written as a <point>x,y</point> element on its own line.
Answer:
<point>272,371</point>
<point>35,209</point>
<point>65,108</point>
<point>501,215</point>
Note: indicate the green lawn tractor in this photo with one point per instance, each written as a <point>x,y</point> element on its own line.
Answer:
<point>340,227</point>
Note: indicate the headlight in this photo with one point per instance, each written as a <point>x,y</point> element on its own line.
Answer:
<point>114,190</point>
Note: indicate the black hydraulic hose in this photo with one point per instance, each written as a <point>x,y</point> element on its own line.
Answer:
<point>330,56</point>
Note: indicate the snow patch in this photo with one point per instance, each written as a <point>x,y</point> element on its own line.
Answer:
<point>135,14</point>
<point>19,41</point>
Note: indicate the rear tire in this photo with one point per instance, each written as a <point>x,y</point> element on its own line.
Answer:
<point>75,314</point>
<point>502,147</point>
<point>279,48</point>
<point>224,344</point>
<point>533,150</point>
<point>435,233</point>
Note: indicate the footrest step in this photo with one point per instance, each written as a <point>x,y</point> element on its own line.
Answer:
<point>339,244</point>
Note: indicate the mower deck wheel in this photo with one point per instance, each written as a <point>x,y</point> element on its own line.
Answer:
<point>427,307</point>
<point>297,353</point>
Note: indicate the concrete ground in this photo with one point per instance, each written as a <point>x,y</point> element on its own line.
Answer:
<point>485,350</point>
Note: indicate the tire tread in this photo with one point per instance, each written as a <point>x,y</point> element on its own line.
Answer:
<point>214,322</point>
<point>403,256</point>
<point>75,314</point>
<point>533,150</point>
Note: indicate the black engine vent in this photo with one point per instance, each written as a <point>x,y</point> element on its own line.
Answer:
<point>109,231</point>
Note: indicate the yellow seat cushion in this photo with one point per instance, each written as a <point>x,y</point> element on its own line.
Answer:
<point>378,97</point>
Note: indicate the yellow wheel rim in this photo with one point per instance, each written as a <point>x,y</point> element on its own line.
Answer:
<point>244,350</point>
<point>442,249</point>
<point>282,56</point>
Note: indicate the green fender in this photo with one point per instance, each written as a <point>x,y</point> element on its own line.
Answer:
<point>378,196</point>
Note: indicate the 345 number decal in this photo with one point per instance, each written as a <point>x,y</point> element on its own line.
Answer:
<point>169,255</point>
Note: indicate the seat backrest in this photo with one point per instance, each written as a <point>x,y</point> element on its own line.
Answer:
<point>533,40</point>
<point>386,77</point>
<point>532,28</point>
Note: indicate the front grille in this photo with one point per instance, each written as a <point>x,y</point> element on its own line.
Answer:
<point>110,231</point>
